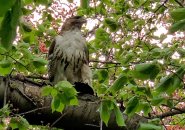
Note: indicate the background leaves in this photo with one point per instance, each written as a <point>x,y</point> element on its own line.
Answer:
<point>136,64</point>
<point>9,25</point>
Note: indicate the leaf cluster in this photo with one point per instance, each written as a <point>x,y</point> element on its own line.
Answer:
<point>63,94</point>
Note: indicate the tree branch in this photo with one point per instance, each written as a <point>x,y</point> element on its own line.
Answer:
<point>170,113</point>
<point>105,62</point>
<point>37,111</point>
<point>179,3</point>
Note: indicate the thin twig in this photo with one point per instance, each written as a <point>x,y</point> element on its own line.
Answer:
<point>92,125</point>
<point>34,110</point>
<point>58,119</point>
<point>15,60</point>
<point>179,3</point>
<point>105,62</point>
<point>175,108</point>
<point>157,10</point>
<point>161,6</point>
<point>92,31</point>
<point>177,76</point>
<point>106,67</point>
<point>170,113</point>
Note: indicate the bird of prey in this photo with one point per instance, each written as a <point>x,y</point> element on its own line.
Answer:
<point>68,54</point>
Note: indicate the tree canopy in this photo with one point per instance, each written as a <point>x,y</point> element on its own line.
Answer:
<point>136,52</point>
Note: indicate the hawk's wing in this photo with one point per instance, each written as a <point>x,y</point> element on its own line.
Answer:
<point>52,65</point>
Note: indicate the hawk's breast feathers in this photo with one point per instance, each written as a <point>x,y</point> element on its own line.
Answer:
<point>68,58</point>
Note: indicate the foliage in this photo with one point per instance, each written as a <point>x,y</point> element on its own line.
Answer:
<point>134,63</point>
<point>63,93</point>
<point>150,127</point>
<point>106,108</point>
<point>179,17</point>
<point>12,122</point>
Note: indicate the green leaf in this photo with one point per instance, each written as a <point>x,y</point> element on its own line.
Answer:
<point>26,53</point>
<point>5,111</point>
<point>147,126</point>
<point>64,91</point>
<point>181,52</point>
<point>66,88</point>
<point>55,103</point>
<point>13,123</point>
<point>43,2</point>
<point>172,82</point>
<point>107,2</point>
<point>19,122</point>
<point>61,107</point>
<point>23,125</point>
<point>156,52</point>
<point>105,110</point>
<point>39,62</point>
<point>154,121</point>
<point>74,101</point>
<point>145,107</point>
<point>23,45</point>
<point>102,75</point>
<point>16,13</point>
<point>178,14</point>
<point>118,84</point>
<point>170,103</point>
<point>65,99</point>
<point>27,2</point>
<point>101,34</point>
<point>111,24</point>
<point>119,116</point>
<point>180,25</point>
<point>54,92</point>
<point>101,9</point>
<point>9,25</point>
<point>132,106</point>
<point>2,49</point>
<point>144,91</point>
<point>84,4</point>
<point>146,71</point>
<point>64,83</point>
<point>41,70</point>
<point>5,6</point>
<point>5,67</point>
<point>102,89</point>
<point>156,101</point>
<point>127,58</point>
<point>5,64</point>
<point>46,90</point>
<point>2,126</point>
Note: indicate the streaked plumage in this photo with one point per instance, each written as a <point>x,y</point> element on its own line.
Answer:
<point>68,54</point>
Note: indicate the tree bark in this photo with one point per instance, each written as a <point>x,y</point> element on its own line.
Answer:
<point>25,96</point>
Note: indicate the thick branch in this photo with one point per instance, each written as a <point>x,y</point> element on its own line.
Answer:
<point>26,96</point>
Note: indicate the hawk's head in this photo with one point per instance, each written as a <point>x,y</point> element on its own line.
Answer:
<point>73,23</point>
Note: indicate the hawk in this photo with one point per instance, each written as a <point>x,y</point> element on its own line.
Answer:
<point>68,54</point>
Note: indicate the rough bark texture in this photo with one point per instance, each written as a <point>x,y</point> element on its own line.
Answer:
<point>26,96</point>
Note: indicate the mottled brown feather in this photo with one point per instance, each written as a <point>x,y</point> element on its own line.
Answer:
<point>65,64</point>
